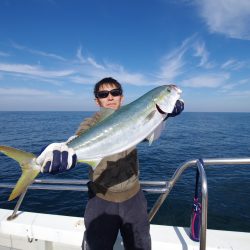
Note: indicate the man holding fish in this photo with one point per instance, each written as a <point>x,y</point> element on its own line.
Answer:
<point>116,201</point>
<point>107,142</point>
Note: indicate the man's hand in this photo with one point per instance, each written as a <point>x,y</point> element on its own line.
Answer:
<point>178,108</point>
<point>57,158</point>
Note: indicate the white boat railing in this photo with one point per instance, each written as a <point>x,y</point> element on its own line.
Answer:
<point>159,187</point>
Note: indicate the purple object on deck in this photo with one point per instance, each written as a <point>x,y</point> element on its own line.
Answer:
<point>195,225</point>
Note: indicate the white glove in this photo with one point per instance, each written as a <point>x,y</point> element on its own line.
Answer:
<point>57,158</point>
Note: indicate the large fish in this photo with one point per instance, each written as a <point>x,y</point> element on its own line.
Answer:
<point>115,132</point>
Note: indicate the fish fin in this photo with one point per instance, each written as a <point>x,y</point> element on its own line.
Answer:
<point>93,163</point>
<point>27,177</point>
<point>149,116</point>
<point>29,168</point>
<point>150,138</point>
<point>156,133</point>
<point>17,154</point>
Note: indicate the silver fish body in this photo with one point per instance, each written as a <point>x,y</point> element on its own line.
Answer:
<point>127,126</point>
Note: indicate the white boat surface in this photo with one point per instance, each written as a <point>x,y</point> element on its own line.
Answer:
<point>37,231</point>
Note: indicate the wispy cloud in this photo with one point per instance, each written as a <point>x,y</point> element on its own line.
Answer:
<point>233,64</point>
<point>206,81</point>
<point>35,92</point>
<point>236,84</point>
<point>190,56</point>
<point>238,93</point>
<point>34,70</point>
<point>176,62</point>
<point>37,52</point>
<point>173,62</point>
<point>88,60</point>
<point>79,55</point>
<point>92,70</point>
<point>4,54</point>
<point>23,92</point>
<point>202,53</point>
<point>92,62</point>
<point>228,17</point>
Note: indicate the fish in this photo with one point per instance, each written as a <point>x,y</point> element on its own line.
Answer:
<point>114,132</point>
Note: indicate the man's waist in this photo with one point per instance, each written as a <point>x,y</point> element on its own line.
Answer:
<point>115,194</point>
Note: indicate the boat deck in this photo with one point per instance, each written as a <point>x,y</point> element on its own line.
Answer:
<point>53,232</point>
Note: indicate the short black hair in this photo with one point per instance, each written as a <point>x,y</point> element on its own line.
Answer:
<point>107,80</point>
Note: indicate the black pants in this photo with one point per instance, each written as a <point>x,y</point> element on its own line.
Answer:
<point>104,219</point>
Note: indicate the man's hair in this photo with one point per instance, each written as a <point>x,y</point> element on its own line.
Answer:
<point>107,80</point>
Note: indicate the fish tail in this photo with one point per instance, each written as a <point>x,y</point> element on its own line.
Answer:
<point>28,165</point>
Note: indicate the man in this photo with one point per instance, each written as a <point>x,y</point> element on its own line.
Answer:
<point>116,201</point>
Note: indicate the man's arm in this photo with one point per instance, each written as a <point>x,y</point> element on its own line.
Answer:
<point>58,157</point>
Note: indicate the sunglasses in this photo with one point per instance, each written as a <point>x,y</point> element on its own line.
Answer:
<point>105,93</point>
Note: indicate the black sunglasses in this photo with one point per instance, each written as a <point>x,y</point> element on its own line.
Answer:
<point>105,93</point>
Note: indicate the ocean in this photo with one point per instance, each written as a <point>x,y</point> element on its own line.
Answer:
<point>186,137</point>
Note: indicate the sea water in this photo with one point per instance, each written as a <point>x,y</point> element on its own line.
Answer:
<point>186,137</point>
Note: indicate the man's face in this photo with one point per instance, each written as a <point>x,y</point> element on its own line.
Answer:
<point>112,102</point>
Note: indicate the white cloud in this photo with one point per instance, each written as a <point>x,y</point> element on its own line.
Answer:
<point>206,81</point>
<point>173,62</point>
<point>80,56</point>
<point>82,79</point>
<point>228,17</point>
<point>34,70</point>
<point>201,51</point>
<point>38,52</point>
<point>176,62</point>
<point>238,93</point>
<point>236,84</point>
<point>232,64</point>
<point>36,99</point>
<point>89,60</point>
<point>23,92</point>
<point>4,54</point>
<point>92,71</point>
<point>92,62</point>
<point>66,92</point>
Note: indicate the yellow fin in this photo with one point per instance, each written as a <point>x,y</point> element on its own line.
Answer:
<point>93,163</point>
<point>29,168</point>
<point>17,154</point>
<point>27,177</point>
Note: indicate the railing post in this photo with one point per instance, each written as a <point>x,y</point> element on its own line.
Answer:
<point>204,204</point>
<point>159,202</point>
<point>19,202</point>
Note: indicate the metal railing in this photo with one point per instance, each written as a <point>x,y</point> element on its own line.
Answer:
<point>159,187</point>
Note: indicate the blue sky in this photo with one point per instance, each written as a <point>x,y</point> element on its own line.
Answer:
<point>52,52</point>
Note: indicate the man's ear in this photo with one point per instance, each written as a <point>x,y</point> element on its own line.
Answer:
<point>97,102</point>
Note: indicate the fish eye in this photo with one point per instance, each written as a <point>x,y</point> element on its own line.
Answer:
<point>168,90</point>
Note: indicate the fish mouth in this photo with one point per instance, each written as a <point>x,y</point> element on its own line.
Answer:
<point>160,110</point>
<point>178,90</point>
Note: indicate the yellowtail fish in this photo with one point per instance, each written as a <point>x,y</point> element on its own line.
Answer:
<point>114,132</point>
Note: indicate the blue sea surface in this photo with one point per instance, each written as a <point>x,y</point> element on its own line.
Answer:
<point>186,137</point>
